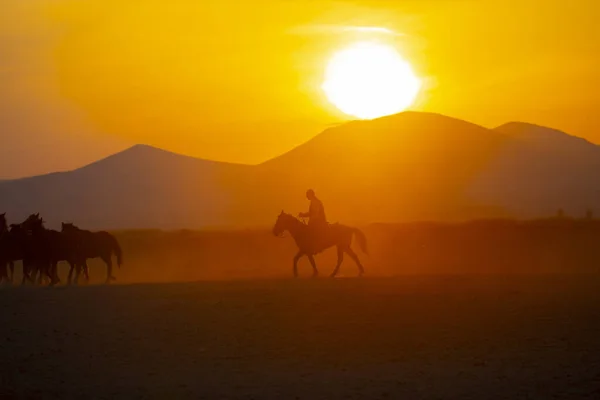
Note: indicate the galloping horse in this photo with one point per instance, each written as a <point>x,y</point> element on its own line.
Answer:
<point>92,245</point>
<point>336,235</point>
<point>49,247</point>
<point>16,244</point>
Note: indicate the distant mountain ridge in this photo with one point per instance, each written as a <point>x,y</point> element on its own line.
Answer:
<point>408,166</point>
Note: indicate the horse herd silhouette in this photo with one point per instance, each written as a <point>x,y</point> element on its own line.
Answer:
<point>41,249</point>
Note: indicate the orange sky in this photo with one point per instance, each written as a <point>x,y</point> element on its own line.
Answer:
<point>240,81</point>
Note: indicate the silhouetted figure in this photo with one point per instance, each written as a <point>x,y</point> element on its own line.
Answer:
<point>49,247</point>
<point>589,214</point>
<point>317,222</point>
<point>337,235</point>
<point>560,213</point>
<point>92,245</point>
<point>17,245</point>
<point>316,211</point>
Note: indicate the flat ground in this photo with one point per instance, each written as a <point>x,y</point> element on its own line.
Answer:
<point>439,337</point>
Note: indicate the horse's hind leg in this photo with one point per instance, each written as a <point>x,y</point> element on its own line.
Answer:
<point>340,258</point>
<point>53,274</point>
<point>27,270</point>
<point>82,266</point>
<point>44,273</point>
<point>353,256</point>
<point>39,272</point>
<point>11,265</point>
<point>108,261</point>
<point>296,258</point>
<point>26,273</point>
<point>314,266</point>
<point>86,272</point>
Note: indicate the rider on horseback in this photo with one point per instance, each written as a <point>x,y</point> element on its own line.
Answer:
<point>317,221</point>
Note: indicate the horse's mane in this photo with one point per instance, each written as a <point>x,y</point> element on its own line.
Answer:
<point>74,227</point>
<point>292,218</point>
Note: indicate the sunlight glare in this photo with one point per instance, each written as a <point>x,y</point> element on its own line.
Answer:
<point>370,80</point>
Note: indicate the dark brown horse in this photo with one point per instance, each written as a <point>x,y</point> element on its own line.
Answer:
<point>92,245</point>
<point>48,248</point>
<point>335,235</point>
<point>16,244</point>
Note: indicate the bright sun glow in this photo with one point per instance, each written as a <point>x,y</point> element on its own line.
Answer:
<point>370,80</point>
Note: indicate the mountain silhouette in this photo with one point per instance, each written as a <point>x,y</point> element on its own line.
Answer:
<point>401,167</point>
<point>543,170</point>
<point>408,166</point>
<point>141,187</point>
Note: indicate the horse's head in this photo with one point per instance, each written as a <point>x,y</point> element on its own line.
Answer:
<point>286,222</point>
<point>68,227</point>
<point>283,223</point>
<point>33,223</point>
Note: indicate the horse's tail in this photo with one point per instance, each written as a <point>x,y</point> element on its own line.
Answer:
<point>362,240</point>
<point>117,250</point>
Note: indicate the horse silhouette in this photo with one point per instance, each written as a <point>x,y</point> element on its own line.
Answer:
<point>334,235</point>
<point>49,247</point>
<point>6,262</point>
<point>19,246</point>
<point>16,244</point>
<point>92,245</point>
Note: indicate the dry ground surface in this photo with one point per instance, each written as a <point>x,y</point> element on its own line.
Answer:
<point>435,337</point>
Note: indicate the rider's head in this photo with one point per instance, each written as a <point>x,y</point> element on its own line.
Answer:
<point>310,194</point>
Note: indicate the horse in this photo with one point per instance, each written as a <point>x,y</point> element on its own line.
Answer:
<point>18,245</point>
<point>90,244</point>
<point>335,235</point>
<point>15,245</point>
<point>5,262</point>
<point>49,247</point>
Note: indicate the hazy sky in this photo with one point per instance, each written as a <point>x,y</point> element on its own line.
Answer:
<point>240,81</point>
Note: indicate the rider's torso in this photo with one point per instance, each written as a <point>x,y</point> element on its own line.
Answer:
<point>317,212</point>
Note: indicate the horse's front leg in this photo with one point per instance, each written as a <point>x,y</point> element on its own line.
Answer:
<point>37,274</point>
<point>72,266</point>
<point>26,273</point>
<point>340,258</point>
<point>296,258</point>
<point>314,265</point>
<point>4,273</point>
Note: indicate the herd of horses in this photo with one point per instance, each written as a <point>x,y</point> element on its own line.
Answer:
<point>41,249</point>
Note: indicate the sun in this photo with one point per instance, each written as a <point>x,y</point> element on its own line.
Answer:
<point>369,80</point>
